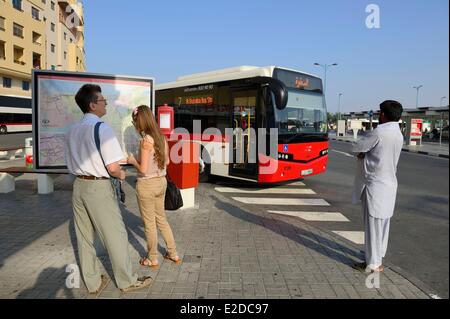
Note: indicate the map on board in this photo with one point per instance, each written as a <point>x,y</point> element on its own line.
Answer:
<point>57,111</point>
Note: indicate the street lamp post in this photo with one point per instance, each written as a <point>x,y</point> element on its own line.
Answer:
<point>417,97</point>
<point>325,68</point>
<point>339,106</point>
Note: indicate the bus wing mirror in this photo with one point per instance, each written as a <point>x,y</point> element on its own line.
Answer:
<point>278,89</point>
<point>280,93</point>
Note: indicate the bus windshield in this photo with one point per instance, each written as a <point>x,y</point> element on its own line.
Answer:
<point>304,113</point>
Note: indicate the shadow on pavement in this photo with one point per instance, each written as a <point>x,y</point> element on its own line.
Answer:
<point>306,238</point>
<point>45,287</point>
<point>25,216</point>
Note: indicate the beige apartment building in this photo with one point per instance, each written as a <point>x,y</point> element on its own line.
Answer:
<point>38,34</point>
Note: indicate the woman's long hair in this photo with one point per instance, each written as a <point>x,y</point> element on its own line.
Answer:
<point>145,124</point>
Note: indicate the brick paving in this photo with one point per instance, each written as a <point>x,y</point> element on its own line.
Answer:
<point>228,253</point>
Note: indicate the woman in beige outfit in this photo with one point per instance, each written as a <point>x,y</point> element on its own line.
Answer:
<point>151,186</point>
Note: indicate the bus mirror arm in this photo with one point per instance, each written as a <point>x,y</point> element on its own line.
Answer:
<point>278,89</point>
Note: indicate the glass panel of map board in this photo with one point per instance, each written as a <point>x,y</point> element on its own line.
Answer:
<point>55,110</point>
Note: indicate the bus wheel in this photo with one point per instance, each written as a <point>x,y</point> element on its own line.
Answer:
<point>3,129</point>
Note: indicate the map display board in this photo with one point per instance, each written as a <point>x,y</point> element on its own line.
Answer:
<point>55,110</point>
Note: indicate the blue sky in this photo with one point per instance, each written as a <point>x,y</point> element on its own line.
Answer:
<point>167,39</point>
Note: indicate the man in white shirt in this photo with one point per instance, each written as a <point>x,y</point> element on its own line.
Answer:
<point>95,205</point>
<point>376,184</point>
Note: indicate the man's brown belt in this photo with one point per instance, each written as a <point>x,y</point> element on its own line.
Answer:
<point>92,178</point>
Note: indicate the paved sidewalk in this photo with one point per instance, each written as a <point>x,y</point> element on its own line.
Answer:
<point>427,148</point>
<point>227,253</point>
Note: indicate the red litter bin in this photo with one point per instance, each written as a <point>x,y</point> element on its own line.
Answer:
<point>184,163</point>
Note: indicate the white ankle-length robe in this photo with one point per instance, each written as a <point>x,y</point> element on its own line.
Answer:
<point>376,185</point>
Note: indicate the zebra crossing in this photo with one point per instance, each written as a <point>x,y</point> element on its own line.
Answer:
<point>317,208</point>
<point>314,216</point>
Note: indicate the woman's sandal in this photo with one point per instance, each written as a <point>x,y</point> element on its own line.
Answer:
<point>148,263</point>
<point>176,259</point>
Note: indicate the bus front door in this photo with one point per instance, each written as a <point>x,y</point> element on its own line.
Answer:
<point>244,163</point>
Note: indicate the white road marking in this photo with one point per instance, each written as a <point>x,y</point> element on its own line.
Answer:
<point>344,153</point>
<point>314,216</point>
<point>356,237</point>
<point>296,184</point>
<point>265,191</point>
<point>282,201</point>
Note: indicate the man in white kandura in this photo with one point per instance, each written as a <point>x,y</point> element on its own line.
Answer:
<point>376,183</point>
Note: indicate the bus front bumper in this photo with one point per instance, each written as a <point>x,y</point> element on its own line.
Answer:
<point>281,171</point>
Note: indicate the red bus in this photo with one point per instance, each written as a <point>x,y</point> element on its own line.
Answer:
<point>15,115</point>
<point>268,98</point>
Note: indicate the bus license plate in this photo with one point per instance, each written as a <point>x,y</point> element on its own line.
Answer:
<point>307,172</point>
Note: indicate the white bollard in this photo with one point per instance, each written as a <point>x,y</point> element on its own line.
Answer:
<point>7,183</point>
<point>355,134</point>
<point>46,184</point>
<point>188,196</point>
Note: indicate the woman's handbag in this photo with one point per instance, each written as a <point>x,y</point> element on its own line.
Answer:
<point>173,200</point>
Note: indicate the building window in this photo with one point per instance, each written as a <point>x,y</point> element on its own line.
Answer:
<point>18,30</point>
<point>53,68</point>
<point>52,48</point>
<point>52,27</point>
<point>65,36</point>
<point>44,1</point>
<point>18,55</point>
<point>2,50</point>
<point>71,41</point>
<point>7,82</point>
<point>65,55</point>
<point>36,60</point>
<point>17,4</point>
<point>2,23</point>
<point>25,85</point>
<point>37,38</point>
<point>35,13</point>
<point>52,5</point>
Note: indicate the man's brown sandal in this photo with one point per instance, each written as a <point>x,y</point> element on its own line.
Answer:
<point>363,268</point>
<point>103,284</point>
<point>141,282</point>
